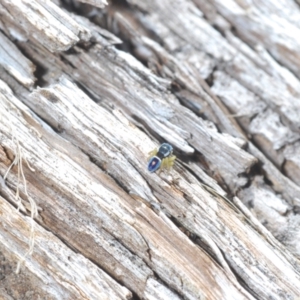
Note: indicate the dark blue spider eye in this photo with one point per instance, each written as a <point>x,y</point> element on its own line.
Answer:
<point>154,164</point>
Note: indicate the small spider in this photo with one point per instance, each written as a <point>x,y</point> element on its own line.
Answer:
<point>161,157</point>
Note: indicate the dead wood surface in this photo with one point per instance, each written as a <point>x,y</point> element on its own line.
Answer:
<point>88,89</point>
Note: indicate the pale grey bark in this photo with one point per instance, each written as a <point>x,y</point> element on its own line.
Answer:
<point>227,100</point>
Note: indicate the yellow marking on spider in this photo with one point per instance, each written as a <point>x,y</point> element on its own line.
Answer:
<point>168,162</point>
<point>152,153</point>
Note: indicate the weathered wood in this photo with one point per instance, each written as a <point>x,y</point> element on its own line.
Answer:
<point>97,3</point>
<point>239,62</point>
<point>15,63</point>
<point>272,24</point>
<point>54,269</point>
<point>81,104</point>
<point>88,130</point>
<point>42,21</point>
<point>100,214</point>
<point>261,122</point>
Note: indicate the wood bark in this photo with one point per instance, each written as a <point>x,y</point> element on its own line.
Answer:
<point>88,89</point>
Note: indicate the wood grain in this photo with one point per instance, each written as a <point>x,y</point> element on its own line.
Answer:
<point>88,89</point>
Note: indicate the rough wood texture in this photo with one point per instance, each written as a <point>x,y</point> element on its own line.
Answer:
<point>88,92</point>
<point>96,3</point>
<point>55,270</point>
